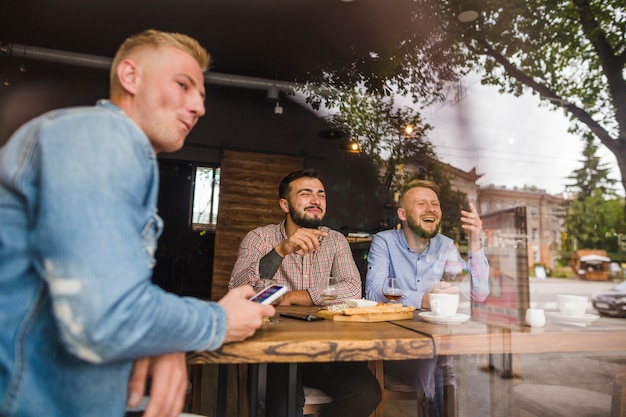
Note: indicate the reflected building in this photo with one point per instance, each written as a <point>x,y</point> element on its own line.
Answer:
<point>544,218</point>
<point>544,212</point>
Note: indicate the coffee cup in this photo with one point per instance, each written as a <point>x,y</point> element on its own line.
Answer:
<point>572,305</point>
<point>535,317</point>
<point>443,305</point>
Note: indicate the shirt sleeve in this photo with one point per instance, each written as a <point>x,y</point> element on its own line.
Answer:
<point>269,264</point>
<point>479,271</point>
<point>246,269</point>
<point>343,267</point>
<point>93,239</point>
<point>378,269</point>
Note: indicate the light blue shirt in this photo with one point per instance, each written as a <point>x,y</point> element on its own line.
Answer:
<point>390,256</point>
<point>78,231</point>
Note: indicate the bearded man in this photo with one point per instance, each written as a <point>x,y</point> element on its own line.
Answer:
<point>302,254</point>
<point>417,254</point>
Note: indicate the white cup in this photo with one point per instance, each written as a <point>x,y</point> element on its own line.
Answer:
<point>443,305</point>
<point>535,317</point>
<point>572,305</point>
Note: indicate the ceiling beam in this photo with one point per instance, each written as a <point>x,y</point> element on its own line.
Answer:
<point>104,63</point>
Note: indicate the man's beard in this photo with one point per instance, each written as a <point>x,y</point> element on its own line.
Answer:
<point>418,230</point>
<point>302,221</point>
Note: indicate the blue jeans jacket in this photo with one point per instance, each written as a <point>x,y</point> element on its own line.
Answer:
<point>78,231</point>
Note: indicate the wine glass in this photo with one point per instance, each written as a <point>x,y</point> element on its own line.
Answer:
<point>392,290</point>
<point>260,285</point>
<point>330,290</point>
<point>454,271</point>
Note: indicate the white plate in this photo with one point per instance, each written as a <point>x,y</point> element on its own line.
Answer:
<point>361,303</point>
<point>584,319</point>
<point>456,319</point>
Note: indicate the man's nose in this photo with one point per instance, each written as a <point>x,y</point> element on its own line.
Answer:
<point>197,105</point>
<point>316,199</point>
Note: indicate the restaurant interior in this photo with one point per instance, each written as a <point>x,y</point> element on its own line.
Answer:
<point>258,127</point>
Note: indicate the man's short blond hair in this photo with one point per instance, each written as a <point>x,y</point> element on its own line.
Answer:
<point>419,184</point>
<point>156,39</point>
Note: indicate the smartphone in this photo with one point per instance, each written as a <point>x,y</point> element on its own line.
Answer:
<point>270,294</point>
<point>305,317</point>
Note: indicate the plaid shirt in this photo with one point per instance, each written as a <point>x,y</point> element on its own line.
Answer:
<point>299,272</point>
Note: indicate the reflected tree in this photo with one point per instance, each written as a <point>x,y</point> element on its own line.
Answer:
<point>572,54</point>
<point>391,137</point>
<point>394,141</point>
<point>594,215</point>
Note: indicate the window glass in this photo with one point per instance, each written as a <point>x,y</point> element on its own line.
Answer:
<point>206,196</point>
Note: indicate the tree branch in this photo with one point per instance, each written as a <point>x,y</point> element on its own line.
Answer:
<point>612,64</point>
<point>580,114</point>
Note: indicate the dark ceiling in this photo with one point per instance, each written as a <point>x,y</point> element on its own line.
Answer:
<point>272,39</point>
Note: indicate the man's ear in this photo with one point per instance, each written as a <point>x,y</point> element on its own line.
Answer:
<point>128,75</point>
<point>401,214</point>
<point>284,206</point>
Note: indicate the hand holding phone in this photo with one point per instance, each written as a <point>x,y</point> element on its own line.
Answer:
<point>270,294</point>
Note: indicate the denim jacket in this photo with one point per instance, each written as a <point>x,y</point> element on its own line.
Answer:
<point>78,231</point>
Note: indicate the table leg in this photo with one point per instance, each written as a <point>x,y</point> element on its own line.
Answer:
<point>253,383</point>
<point>257,388</point>
<point>222,390</point>
<point>507,365</point>
<point>196,387</point>
<point>291,390</point>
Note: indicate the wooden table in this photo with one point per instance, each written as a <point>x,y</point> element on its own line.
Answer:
<point>294,341</point>
<point>472,337</point>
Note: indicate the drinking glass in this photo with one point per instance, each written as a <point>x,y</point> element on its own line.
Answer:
<point>330,290</point>
<point>392,290</point>
<point>454,271</point>
<point>260,285</point>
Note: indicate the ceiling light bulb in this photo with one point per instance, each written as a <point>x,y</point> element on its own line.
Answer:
<point>353,146</point>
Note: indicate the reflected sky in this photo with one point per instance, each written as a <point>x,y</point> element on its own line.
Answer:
<point>514,141</point>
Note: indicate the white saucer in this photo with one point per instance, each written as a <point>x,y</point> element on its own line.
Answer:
<point>584,319</point>
<point>456,319</point>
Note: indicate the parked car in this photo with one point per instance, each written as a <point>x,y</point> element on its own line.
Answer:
<point>611,303</point>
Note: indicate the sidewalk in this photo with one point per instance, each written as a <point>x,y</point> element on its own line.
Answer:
<point>483,393</point>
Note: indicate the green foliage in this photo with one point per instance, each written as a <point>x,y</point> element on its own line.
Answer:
<point>395,155</point>
<point>595,216</point>
<point>564,47</point>
<point>593,176</point>
<point>594,221</point>
<point>571,53</point>
<point>420,63</point>
<point>379,126</point>
<point>452,202</point>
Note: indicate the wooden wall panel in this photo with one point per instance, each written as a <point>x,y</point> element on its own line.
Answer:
<point>248,199</point>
